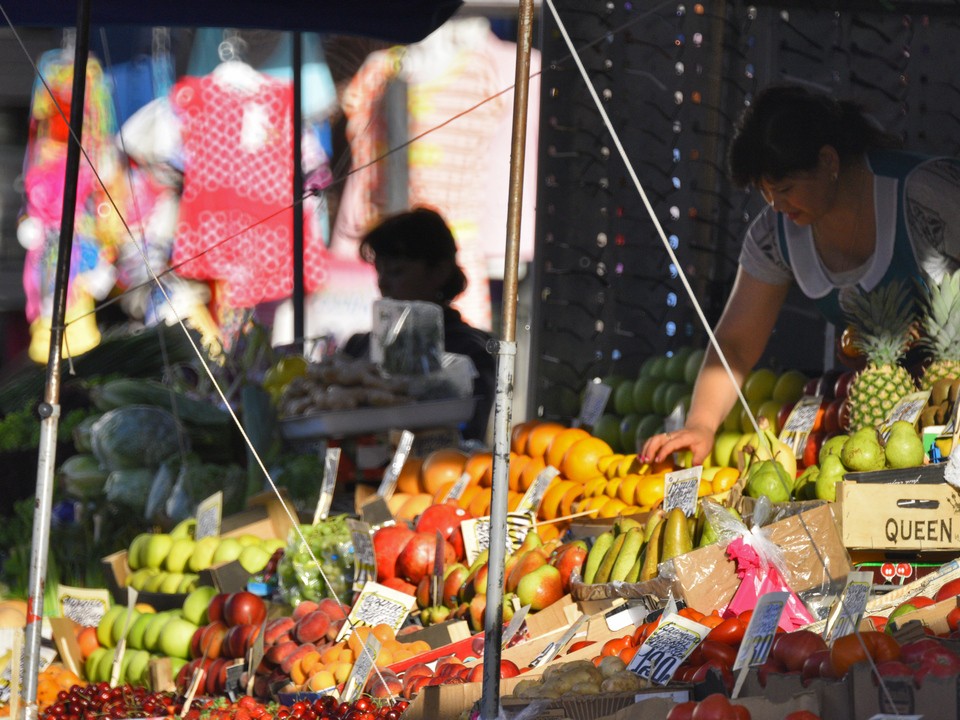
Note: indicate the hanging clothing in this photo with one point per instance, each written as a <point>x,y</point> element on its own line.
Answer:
<point>236,222</point>
<point>460,167</point>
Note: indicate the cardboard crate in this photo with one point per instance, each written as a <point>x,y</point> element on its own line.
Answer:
<point>893,516</point>
<point>936,698</point>
<point>761,708</point>
<point>593,707</point>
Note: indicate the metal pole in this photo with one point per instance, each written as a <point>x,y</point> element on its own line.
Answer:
<point>506,361</point>
<point>397,170</point>
<point>299,291</point>
<point>50,407</point>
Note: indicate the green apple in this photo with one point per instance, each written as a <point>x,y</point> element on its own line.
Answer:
<point>135,666</point>
<point>120,623</point>
<point>155,550</point>
<point>175,664</point>
<point>196,603</point>
<point>105,627</point>
<point>271,545</point>
<point>180,552</point>
<point>188,583</point>
<point>249,539</point>
<point>151,635</point>
<point>171,583</point>
<point>253,558</point>
<point>176,636</point>
<point>228,550</point>
<point>90,664</point>
<point>202,556</point>
<point>154,582</point>
<point>137,629</point>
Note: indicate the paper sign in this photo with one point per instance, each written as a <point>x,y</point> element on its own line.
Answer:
<point>456,492</point>
<point>682,489</point>
<point>759,636</point>
<point>376,513</point>
<point>233,687</point>
<point>362,667</point>
<point>85,606</point>
<point>255,655</point>
<point>595,399</point>
<point>908,409</point>
<point>530,502</point>
<point>389,482</point>
<point>331,464</point>
<point>514,626</point>
<point>378,604</point>
<point>436,578</point>
<point>666,648</point>
<point>552,648</point>
<point>364,558</point>
<point>476,533</point>
<point>800,422</point>
<point>847,612</point>
<point>122,641</point>
<point>209,512</point>
<point>624,615</point>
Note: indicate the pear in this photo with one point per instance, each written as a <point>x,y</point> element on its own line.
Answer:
<point>831,473</point>
<point>769,478</point>
<point>805,489</point>
<point>862,452</point>
<point>831,446</point>
<point>904,446</point>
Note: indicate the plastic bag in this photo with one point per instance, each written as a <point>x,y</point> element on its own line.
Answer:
<point>197,481</point>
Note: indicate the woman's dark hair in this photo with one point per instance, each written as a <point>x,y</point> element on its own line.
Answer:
<point>785,127</point>
<point>418,234</point>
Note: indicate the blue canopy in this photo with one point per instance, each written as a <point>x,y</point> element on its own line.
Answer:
<point>402,21</point>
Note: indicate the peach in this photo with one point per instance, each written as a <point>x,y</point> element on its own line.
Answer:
<point>341,671</point>
<point>295,656</point>
<point>334,609</point>
<point>278,630</point>
<point>321,680</point>
<point>304,608</point>
<point>312,627</point>
<point>275,654</point>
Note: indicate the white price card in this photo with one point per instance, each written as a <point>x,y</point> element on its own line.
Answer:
<point>553,648</point>
<point>331,465</point>
<point>121,647</point>
<point>800,422</point>
<point>364,558</point>
<point>513,627</point>
<point>760,634</point>
<point>209,512</point>
<point>682,489</point>
<point>595,398</point>
<point>389,482</point>
<point>456,491</point>
<point>85,606</point>
<point>362,667</point>
<point>476,533</point>
<point>847,612</point>
<point>666,648</point>
<point>908,409</point>
<point>378,604</point>
<point>530,502</point>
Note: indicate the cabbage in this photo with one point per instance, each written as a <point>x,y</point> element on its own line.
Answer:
<point>136,436</point>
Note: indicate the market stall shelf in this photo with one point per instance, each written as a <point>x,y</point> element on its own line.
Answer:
<point>366,420</point>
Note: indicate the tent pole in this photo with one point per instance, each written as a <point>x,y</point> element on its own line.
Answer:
<point>49,409</point>
<point>299,292</point>
<point>506,363</point>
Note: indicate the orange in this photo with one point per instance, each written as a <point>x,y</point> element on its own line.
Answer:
<point>550,505</point>
<point>440,466</point>
<point>441,494</point>
<point>384,633</point>
<point>87,640</point>
<point>540,437</point>
<point>415,505</point>
<point>513,500</point>
<point>569,498</point>
<point>518,435</point>
<point>561,443</point>
<point>408,481</point>
<point>480,504</point>
<point>469,492</point>
<point>549,532</point>
<point>650,490</point>
<point>579,462</point>
<point>724,479</point>
<point>517,464</point>
<point>529,473</point>
<point>479,467</point>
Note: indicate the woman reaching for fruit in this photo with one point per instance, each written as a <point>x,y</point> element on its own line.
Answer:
<point>847,212</point>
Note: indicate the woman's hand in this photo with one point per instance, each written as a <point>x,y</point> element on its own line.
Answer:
<point>698,438</point>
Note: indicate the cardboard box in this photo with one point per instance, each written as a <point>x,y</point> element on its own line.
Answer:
<point>760,708</point>
<point>894,516</point>
<point>592,707</point>
<point>446,702</point>
<point>933,617</point>
<point>812,551</point>
<point>936,698</point>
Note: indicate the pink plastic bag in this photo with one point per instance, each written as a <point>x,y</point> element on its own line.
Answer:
<point>758,577</point>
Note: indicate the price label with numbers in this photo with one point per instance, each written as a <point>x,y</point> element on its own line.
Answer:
<point>456,492</point>
<point>209,512</point>
<point>362,667</point>
<point>847,612</point>
<point>331,464</point>
<point>595,399</point>
<point>364,558</point>
<point>378,604</point>
<point>681,489</point>
<point>85,606</point>
<point>760,633</point>
<point>800,422</point>
<point>666,648</point>
<point>389,482</point>
<point>476,533</point>
<point>908,410</point>
<point>530,502</point>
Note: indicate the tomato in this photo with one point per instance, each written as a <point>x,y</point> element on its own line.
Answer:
<point>740,712</point>
<point>792,649</point>
<point>714,707</point>
<point>691,614</point>
<point>730,631</point>
<point>953,618</point>
<point>615,645</point>
<point>721,652</point>
<point>627,653</point>
<point>849,650</point>
<point>643,631</point>
<point>711,621</point>
<point>682,711</point>
<point>721,671</point>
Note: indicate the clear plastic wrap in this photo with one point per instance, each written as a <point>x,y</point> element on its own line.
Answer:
<point>300,577</point>
<point>407,337</point>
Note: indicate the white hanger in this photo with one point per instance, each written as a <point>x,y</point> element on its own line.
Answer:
<point>232,70</point>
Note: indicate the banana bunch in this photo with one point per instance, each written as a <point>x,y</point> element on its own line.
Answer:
<point>631,551</point>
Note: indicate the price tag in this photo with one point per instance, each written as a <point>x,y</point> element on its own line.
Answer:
<point>759,636</point>
<point>847,612</point>
<point>378,604</point>
<point>376,513</point>
<point>209,512</point>
<point>530,502</point>
<point>595,399</point>
<point>121,647</point>
<point>514,626</point>
<point>331,464</point>
<point>666,648</point>
<point>234,687</point>
<point>800,422</point>
<point>254,656</point>
<point>436,578</point>
<point>364,558</point>
<point>456,492</point>
<point>552,648</point>
<point>908,409</point>
<point>682,489</point>
<point>476,533</point>
<point>362,667</point>
<point>389,482</point>
<point>85,606</point>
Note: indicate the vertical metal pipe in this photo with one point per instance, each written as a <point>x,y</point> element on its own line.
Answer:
<point>506,361</point>
<point>299,291</point>
<point>50,407</point>
<point>397,170</point>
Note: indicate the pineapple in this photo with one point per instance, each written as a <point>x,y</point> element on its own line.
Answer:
<point>883,320</point>
<point>941,329</point>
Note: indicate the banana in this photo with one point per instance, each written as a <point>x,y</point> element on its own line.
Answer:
<point>628,555</point>
<point>600,547</point>
<point>603,572</point>
<point>652,557</point>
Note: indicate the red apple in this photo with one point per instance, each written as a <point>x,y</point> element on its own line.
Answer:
<point>446,520</point>
<point>948,590</point>
<point>811,451</point>
<point>388,543</point>
<point>939,663</point>
<point>841,387</point>
<point>244,608</point>
<point>810,388</point>
<point>845,415</point>
<point>416,558</point>
<point>400,585</point>
<point>215,609</point>
<point>813,665</point>
<point>238,640</point>
<point>784,414</point>
<point>831,416</point>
